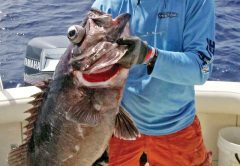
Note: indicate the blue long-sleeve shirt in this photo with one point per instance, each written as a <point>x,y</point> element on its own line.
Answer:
<point>183,32</point>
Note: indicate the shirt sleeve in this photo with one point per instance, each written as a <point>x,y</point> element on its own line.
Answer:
<point>99,4</point>
<point>194,64</point>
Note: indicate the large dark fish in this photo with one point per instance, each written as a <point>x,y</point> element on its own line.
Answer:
<point>76,114</point>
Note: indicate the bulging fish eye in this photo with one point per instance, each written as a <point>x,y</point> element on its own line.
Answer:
<point>72,33</point>
<point>75,33</point>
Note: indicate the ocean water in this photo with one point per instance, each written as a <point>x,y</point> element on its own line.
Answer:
<point>227,55</point>
<point>22,20</point>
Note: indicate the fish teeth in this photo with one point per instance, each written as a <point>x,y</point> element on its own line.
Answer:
<point>85,67</point>
<point>94,57</point>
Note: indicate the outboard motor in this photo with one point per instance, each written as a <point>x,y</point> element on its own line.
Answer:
<point>42,56</point>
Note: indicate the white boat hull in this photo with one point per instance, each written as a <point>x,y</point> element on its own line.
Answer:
<point>218,106</point>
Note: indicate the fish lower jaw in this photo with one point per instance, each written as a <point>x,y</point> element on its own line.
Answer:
<point>114,77</point>
<point>102,74</point>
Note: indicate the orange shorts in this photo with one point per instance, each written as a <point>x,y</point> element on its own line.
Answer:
<point>183,148</point>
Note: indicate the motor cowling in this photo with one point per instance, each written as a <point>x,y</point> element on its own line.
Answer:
<point>42,56</point>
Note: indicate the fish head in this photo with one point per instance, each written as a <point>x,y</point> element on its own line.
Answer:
<point>112,28</point>
<point>99,24</point>
<point>95,58</point>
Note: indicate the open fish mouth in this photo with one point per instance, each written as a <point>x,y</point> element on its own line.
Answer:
<point>99,57</point>
<point>103,75</point>
<point>99,63</point>
<point>95,53</point>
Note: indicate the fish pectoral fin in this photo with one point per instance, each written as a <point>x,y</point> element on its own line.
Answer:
<point>86,115</point>
<point>125,127</point>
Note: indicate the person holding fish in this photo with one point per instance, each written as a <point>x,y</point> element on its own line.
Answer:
<point>170,50</point>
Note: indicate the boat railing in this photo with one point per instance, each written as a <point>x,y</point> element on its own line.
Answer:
<point>1,84</point>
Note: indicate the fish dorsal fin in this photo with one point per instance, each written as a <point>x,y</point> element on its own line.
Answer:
<point>124,126</point>
<point>18,156</point>
<point>36,103</point>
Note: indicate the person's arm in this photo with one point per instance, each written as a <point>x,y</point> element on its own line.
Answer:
<point>102,5</point>
<point>194,64</point>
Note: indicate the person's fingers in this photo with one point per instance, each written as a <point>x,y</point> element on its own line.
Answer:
<point>123,41</point>
<point>128,40</point>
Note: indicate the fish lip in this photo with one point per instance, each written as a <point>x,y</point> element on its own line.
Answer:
<point>119,24</point>
<point>123,18</point>
<point>103,75</point>
<point>86,68</point>
<point>104,69</point>
<point>97,11</point>
<point>127,16</point>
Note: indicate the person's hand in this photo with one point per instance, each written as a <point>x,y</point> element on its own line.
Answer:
<point>136,53</point>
